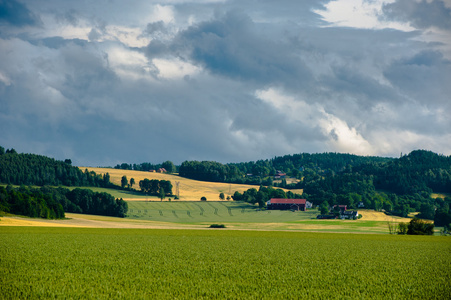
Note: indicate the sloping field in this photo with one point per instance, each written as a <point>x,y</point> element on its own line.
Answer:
<point>190,190</point>
<point>211,212</point>
<point>235,215</point>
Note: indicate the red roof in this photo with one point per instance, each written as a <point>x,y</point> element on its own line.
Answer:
<point>287,201</point>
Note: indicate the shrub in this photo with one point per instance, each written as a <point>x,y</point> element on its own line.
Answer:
<point>402,228</point>
<point>420,227</point>
<point>217,226</point>
<point>203,199</point>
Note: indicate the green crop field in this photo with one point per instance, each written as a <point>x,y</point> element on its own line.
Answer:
<point>241,215</point>
<point>68,263</point>
<point>206,211</point>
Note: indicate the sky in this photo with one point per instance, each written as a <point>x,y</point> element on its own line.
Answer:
<point>105,82</point>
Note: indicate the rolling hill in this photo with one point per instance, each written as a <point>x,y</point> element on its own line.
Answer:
<point>190,190</point>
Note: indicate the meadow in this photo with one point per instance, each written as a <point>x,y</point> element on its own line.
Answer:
<point>43,263</point>
<point>241,215</point>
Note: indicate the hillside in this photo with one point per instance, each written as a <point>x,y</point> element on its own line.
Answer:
<point>190,190</point>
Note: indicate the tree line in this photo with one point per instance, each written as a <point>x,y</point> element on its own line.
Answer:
<point>398,186</point>
<point>32,169</point>
<point>52,203</point>
<point>167,165</point>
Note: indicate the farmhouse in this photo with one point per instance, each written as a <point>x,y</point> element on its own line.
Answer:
<point>285,204</point>
<point>349,214</point>
<point>279,175</point>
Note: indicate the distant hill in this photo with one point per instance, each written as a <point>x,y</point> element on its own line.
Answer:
<point>396,185</point>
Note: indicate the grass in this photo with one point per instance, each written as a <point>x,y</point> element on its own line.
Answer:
<point>52,263</point>
<point>204,212</point>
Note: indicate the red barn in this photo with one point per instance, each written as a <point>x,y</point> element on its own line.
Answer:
<point>285,204</point>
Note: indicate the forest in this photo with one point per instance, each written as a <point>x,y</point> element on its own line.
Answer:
<point>51,203</point>
<point>32,169</point>
<point>36,170</point>
<point>398,186</point>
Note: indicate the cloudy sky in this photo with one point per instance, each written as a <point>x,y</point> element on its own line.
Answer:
<point>107,81</point>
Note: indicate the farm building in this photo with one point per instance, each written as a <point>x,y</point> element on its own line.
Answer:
<point>341,208</point>
<point>349,214</point>
<point>286,204</point>
<point>279,175</point>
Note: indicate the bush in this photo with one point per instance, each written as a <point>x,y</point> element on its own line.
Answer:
<point>402,228</point>
<point>420,227</point>
<point>203,199</point>
<point>217,226</point>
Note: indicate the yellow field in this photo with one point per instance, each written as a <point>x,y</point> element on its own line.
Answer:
<point>372,215</point>
<point>190,190</point>
<point>435,195</point>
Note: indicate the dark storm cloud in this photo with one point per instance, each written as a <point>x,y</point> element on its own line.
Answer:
<point>226,81</point>
<point>233,46</point>
<point>420,14</point>
<point>424,76</point>
<point>17,14</point>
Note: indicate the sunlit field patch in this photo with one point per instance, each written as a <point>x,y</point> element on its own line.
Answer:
<point>190,190</point>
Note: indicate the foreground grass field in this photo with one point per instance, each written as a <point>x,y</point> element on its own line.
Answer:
<point>43,263</point>
<point>190,190</point>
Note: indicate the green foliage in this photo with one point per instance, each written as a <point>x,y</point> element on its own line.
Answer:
<point>221,196</point>
<point>263,194</point>
<point>51,203</point>
<point>169,166</point>
<point>420,227</point>
<point>80,263</point>
<point>31,169</point>
<point>442,218</point>
<point>124,181</point>
<point>30,202</point>
<point>324,208</point>
<point>203,198</point>
<point>155,186</point>
<point>393,227</point>
<point>217,226</point>
<point>403,228</point>
<point>161,194</point>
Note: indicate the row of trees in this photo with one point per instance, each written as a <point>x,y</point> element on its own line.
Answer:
<point>167,165</point>
<point>51,203</point>
<point>262,171</point>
